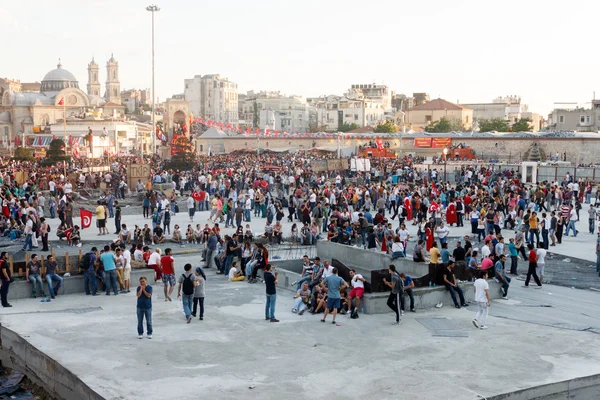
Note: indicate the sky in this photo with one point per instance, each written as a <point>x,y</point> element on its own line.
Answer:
<point>461,50</point>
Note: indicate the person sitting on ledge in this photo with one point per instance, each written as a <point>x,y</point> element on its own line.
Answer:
<point>76,236</point>
<point>397,248</point>
<point>125,234</point>
<point>452,286</point>
<point>159,236</point>
<point>176,237</point>
<point>418,255</point>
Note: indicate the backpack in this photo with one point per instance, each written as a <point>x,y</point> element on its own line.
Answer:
<point>188,285</point>
<point>84,264</point>
<point>404,212</point>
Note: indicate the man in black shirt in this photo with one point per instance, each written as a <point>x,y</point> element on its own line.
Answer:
<point>452,285</point>
<point>468,249</point>
<point>270,282</point>
<point>5,275</point>
<point>117,217</point>
<point>459,253</point>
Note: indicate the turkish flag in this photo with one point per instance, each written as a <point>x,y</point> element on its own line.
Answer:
<point>408,208</point>
<point>86,218</point>
<point>62,101</point>
<point>433,207</point>
<point>68,233</point>
<point>196,196</point>
<point>379,144</point>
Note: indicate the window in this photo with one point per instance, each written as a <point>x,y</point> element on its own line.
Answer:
<point>428,118</point>
<point>588,119</point>
<point>356,117</point>
<point>95,77</point>
<point>582,119</point>
<point>561,119</point>
<point>467,119</point>
<point>114,74</point>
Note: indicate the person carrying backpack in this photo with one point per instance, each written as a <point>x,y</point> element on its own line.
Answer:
<point>187,283</point>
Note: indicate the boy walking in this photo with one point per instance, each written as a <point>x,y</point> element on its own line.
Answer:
<point>186,281</point>
<point>199,292</point>
<point>144,308</point>
<point>270,282</point>
<point>482,297</point>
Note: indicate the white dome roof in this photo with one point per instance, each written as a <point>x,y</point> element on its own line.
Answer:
<point>58,79</point>
<point>59,74</point>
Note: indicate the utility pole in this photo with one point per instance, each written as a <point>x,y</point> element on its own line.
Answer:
<point>152,8</point>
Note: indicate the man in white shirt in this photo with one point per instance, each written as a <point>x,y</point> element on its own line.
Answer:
<point>482,297</point>
<point>541,261</point>
<point>327,269</point>
<point>52,187</point>
<point>126,267</point>
<point>358,290</point>
<point>191,205</point>
<point>442,232</point>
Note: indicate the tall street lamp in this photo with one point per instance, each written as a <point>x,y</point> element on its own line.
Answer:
<point>446,151</point>
<point>152,8</point>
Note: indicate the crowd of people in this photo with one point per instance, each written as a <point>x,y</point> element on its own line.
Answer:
<point>351,208</point>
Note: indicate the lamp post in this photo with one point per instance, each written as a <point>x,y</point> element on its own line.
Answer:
<point>445,151</point>
<point>152,8</point>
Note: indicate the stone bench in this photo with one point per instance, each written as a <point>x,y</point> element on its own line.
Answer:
<point>376,303</point>
<point>73,284</point>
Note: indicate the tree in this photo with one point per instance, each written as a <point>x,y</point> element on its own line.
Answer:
<point>183,157</point>
<point>23,154</point>
<point>445,125</point>
<point>494,124</point>
<point>348,127</point>
<point>522,125</point>
<point>255,116</point>
<point>56,152</point>
<point>387,127</point>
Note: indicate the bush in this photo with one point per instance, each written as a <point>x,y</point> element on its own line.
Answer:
<point>23,154</point>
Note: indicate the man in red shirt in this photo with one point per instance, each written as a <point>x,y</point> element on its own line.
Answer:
<point>168,273</point>
<point>532,267</point>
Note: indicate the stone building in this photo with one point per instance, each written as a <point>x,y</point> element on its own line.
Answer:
<point>427,113</point>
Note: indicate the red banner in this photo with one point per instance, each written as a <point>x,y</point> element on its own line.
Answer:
<point>86,218</point>
<point>422,142</point>
<point>440,143</point>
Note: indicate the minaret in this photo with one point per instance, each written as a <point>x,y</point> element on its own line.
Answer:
<point>93,86</point>
<point>113,86</point>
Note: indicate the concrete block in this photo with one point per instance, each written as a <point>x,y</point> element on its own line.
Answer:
<point>20,289</point>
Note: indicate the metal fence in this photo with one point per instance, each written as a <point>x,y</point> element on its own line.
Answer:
<point>544,172</point>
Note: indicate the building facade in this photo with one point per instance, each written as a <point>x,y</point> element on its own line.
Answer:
<point>425,114</point>
<point>335,111</point>
<point>577,119</point>
<point>508,108</point>
<point>272,110</point>
<point>212,97</point>
<point>27,114</point>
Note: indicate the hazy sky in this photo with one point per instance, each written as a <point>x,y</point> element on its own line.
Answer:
<point>467,50</point>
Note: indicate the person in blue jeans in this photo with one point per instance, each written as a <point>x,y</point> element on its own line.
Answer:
<point>452,286</point>
<point>89,273</point>
<point>144,308</point>
<point>33,274</point>
<point>187,282</point>
<point>52,275</point>
<point>271,291</point>
<point>110,270</point>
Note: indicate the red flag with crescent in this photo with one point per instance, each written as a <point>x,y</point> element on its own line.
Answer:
<point>86,218</point>
<point>433,207</point>
<point>408,208</point>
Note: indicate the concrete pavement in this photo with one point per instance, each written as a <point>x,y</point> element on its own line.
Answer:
<point>535,337</point>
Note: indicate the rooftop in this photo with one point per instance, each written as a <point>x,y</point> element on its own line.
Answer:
<point>437,104</point>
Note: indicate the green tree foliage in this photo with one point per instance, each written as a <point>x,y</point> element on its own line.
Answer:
<point>445,125</point>
<point>348,127</point>
<point>387,127</point>
<point>522,125</point>
<point>184,158</point>
<point>56,152</point>
<point>495,124</point>
<point>23,154</point>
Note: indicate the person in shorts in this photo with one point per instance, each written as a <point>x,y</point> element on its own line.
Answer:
<point>167,264</point>
<point>334,284</point>
<point>358,290</point>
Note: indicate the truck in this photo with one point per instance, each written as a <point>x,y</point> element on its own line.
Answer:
<point>464,153</point>
<point>374,152</point>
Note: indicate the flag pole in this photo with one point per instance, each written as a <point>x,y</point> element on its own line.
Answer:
<point>65,135</point>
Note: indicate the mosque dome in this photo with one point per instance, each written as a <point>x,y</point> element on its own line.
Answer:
<point>58,79</point>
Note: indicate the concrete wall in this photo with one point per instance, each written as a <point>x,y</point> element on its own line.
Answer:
<point>17,353</point>
<point>20,289</point>
<point>426,297</point>
<point>579,388</point>
<point>365,261</point>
